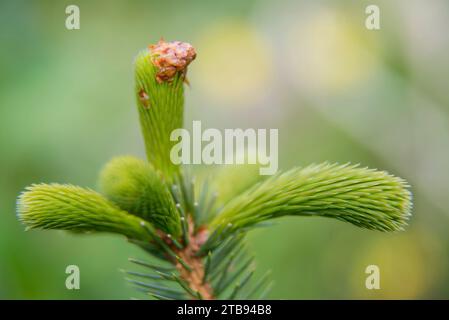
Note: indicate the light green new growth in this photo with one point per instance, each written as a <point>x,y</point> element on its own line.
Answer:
<point>364,197</point>
<point>137,188</point>
<point>68,207</point>
<point>161,109</point>
<point>197,227</point>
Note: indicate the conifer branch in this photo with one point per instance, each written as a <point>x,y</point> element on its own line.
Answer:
<point>67,207</point>
<point>364,197</point>
<point>197,230</point>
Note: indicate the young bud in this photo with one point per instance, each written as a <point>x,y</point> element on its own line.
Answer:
<point>136,187</point>
<point>367,198</point>
<point>160,73</point>
<point>67,207</point>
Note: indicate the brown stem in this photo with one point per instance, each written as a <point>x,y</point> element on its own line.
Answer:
<point>194,277</point>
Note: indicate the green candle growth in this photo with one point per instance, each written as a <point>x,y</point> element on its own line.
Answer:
<point>197,233</point>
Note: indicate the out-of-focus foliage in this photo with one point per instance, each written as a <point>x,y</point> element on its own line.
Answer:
<point>336,91</point>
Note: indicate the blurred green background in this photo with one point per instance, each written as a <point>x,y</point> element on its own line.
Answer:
<point>335,90</point>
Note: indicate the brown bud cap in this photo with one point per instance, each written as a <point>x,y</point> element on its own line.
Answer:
<point>170,58</point>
